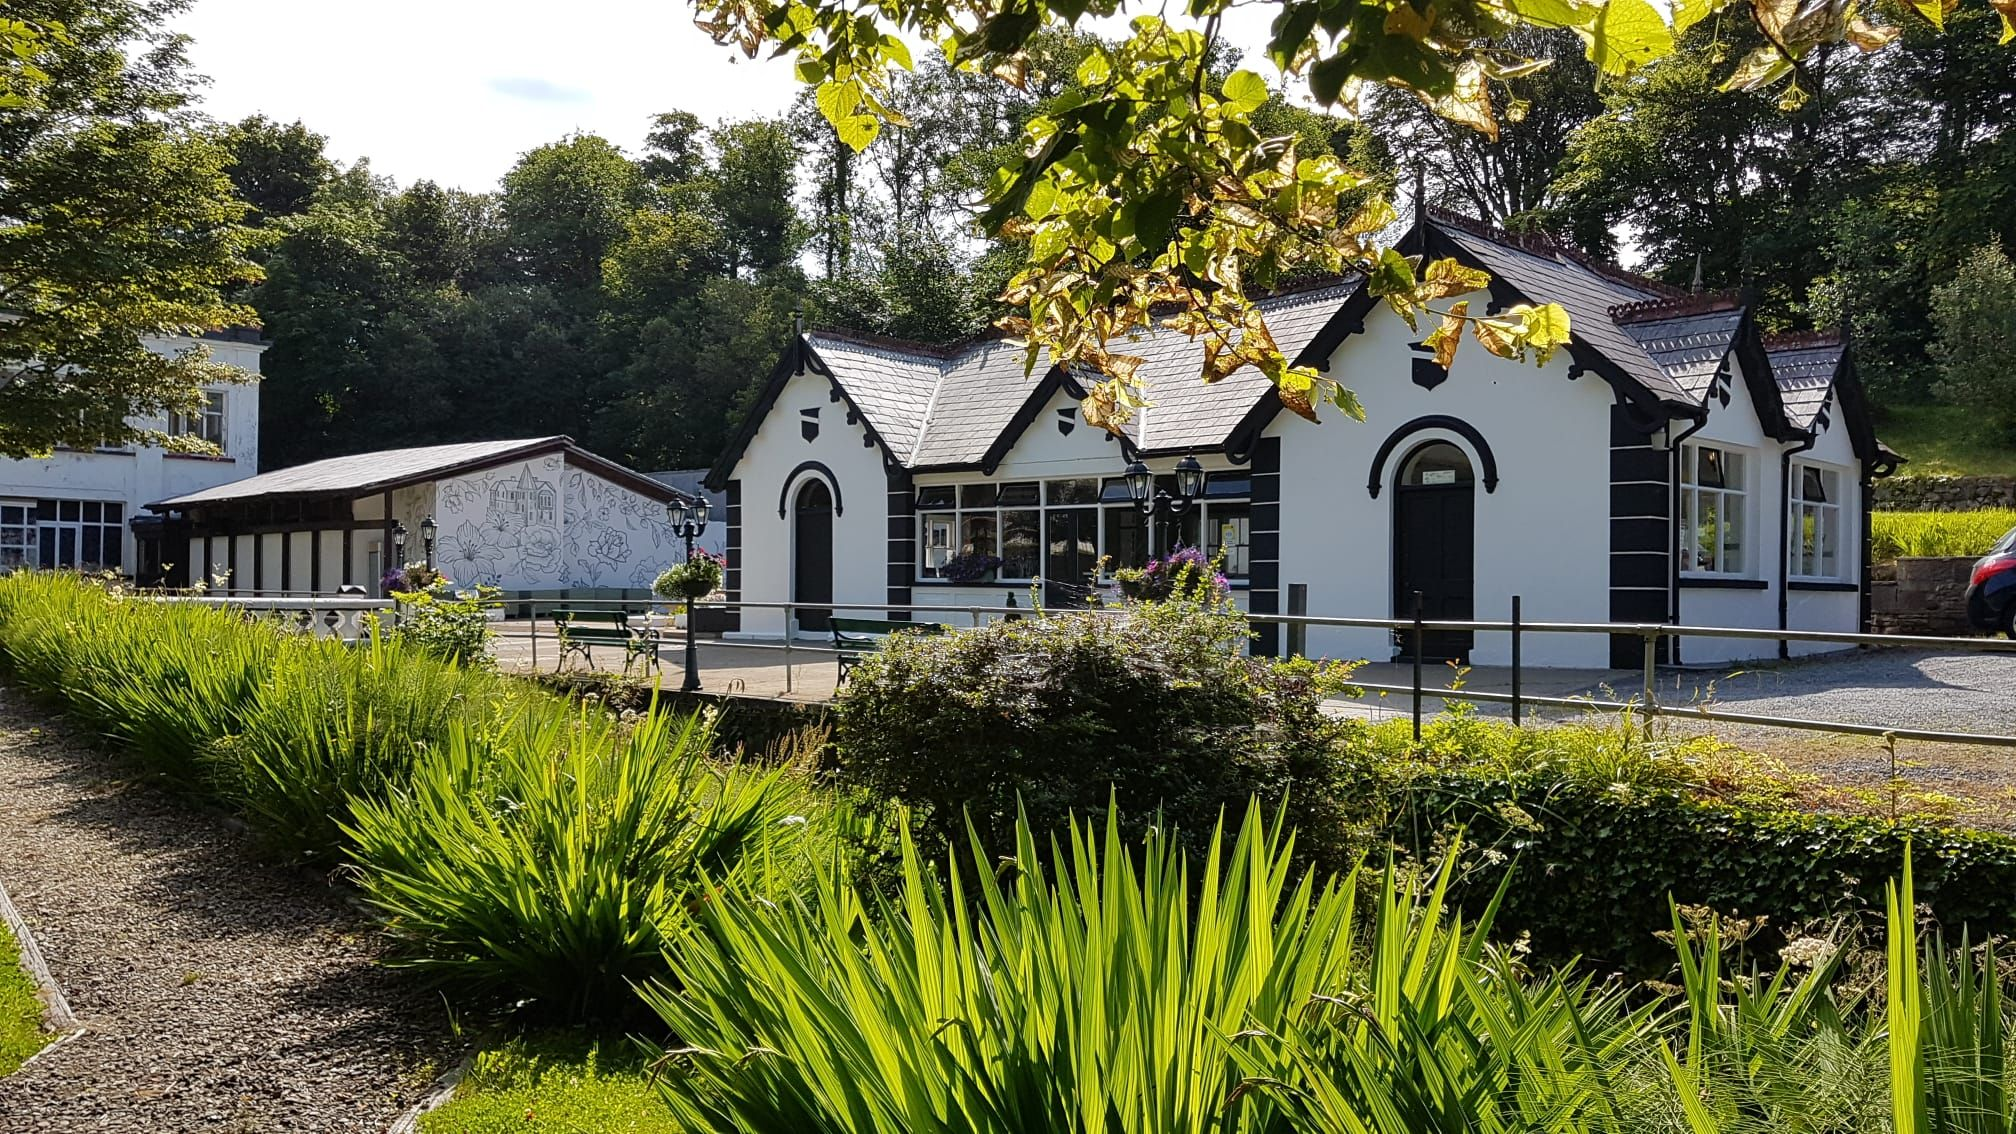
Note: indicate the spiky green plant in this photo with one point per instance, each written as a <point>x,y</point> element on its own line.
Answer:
<point>1104,988</point>
<point>547,857</point>
<point>337,723</point>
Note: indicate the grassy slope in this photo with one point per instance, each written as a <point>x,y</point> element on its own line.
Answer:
<point>1940,441</point>
<point>21,1033</point>
<point>554,1083</point>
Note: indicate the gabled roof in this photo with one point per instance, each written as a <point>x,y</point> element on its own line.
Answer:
<point>1665,352</point>
<point>964,406</point>
<point>362,474</point>
<point>1816,373</point>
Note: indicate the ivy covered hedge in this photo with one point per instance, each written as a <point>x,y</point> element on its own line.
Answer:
<point>1590,862</point>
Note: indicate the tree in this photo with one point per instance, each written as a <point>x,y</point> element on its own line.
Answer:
<point>276,169</point>
<point>1975,313</point>
<point>1154,188</point>
<point>564,206</point>
<point>117,222</point>
<point>754,180</point>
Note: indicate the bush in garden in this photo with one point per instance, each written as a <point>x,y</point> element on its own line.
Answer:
<point>1975,316</point>
<point>1588,823</point>
<point>1156,709</point>
<point>551,857</point>
<point>1108,986</point>
<point>164,679</point>
<point>454,627</point>
<point>338,722</point>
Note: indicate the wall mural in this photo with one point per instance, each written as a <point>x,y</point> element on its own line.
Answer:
<point>539,525</point>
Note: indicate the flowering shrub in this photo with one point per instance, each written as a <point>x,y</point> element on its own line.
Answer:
<point>1160,579</point>
<point>970,568</point>
<point>696,578</point>
<point>412,577</point>
<point>454,627</point>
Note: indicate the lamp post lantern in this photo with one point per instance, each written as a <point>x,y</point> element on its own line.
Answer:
<point>688,520</point>
<point>1159,503</point>
<point>399,541</point>
<point>427,529</point>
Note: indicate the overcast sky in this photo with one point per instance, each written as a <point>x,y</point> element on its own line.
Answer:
<point>455,90</point>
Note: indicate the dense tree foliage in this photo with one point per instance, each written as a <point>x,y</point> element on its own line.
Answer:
<point>117,221</point>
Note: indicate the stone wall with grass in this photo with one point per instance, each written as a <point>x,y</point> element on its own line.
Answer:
<point>1945,493</point>
<point>1921,595</point>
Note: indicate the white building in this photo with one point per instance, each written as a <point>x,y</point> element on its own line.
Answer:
<point>1671,465</point>
<point>81,508</point>
<point>537,514</point>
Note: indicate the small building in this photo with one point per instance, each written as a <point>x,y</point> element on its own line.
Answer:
<point>531,515</point>
<point>75,508</point>
<point>1672,464</point>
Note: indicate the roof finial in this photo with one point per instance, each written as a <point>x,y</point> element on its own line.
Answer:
<point>1695,287</point>
<point>1420,195</point>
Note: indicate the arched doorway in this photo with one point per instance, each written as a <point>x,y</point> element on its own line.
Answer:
<point>812,552</point>
<point>1435,546</point>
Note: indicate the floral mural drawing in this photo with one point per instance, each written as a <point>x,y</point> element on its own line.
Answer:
<point>540,525</point>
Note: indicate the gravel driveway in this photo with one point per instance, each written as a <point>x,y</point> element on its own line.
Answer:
<point>218,993</point>
<point>1948,692</point>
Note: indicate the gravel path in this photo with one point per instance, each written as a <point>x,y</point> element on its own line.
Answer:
<point>1950,692</point>
<point>219,994</point>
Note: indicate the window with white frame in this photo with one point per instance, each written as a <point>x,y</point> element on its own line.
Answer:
<point>206,424</point>
<point>1714,511</point>
<point>17,534</point>
<point>1815,544</point>
<point>84,535</point>
<point>957,523</point>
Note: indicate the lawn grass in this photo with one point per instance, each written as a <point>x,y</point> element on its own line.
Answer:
<point>1963,534</point>
<point>1942,441</point>
<point>21,1033</point>
<point>559,1082</point>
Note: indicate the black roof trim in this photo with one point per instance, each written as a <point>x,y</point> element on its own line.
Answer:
<point>798,355</point>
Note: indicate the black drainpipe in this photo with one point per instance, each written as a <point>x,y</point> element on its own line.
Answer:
<point>1785,538</point>
<point>1673,528</point>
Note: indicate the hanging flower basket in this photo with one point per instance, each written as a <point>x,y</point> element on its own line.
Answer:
<point>696,578</point>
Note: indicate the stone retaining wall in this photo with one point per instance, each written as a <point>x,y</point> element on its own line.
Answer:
<point>1945,493</point>
<point>1926,596</point>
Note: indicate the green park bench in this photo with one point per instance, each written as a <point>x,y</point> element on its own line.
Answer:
<point>580,631</point>
<point>856,638</point>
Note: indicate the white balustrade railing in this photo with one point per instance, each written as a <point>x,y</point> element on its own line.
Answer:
<point>325,616</point>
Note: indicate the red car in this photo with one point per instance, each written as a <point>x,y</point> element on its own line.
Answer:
<point>1991,588</point>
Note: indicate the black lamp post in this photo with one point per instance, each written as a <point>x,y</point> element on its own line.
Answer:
<point>688,520</point>
<point>399,542</point>
<point>1156,502</point>
<point>427,530</point>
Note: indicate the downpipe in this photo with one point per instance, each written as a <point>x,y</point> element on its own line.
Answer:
<point>1673,526</point>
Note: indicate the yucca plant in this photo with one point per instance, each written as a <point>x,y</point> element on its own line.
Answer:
<point>1103,987</point>
<point>337,723</point>
<point>547,857</point>
<point>1948,1037</point>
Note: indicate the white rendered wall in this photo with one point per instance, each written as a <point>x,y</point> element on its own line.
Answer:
<point>140,475</point>
<point>860,528</point>
<point>1543,535</point>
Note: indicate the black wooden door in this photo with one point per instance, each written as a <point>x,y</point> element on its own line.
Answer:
<point>1071,555</point>
<point>1435,552</point>
<point>812,552</point>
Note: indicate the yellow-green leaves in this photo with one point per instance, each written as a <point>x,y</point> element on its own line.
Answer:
<point>1628,34</point>
<point>1245,92</point>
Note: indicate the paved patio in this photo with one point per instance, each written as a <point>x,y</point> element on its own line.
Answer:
<point>759,669</point>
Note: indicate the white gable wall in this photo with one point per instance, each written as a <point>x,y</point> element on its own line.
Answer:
<point>1543,535</point>
<point>1810,609</point>
<point>860,529</point>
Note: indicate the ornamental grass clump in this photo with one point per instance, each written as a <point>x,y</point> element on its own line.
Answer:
<point>163,679</point>
<point>338,722</point>
<point>549,857</point>
<point>1108,986</point>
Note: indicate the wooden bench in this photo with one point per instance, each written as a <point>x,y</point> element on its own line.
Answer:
<point>580,631</point>
<point>856,638</point>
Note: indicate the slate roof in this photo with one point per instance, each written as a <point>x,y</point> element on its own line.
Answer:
<point>1806,367</point>
<point>936,408</point>
<point>363,473</point>
<point>962,406</point>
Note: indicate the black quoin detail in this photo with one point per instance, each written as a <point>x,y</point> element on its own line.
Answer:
<point>1641,535</point>
<point>1264,574</point>
<point>1377,476</point>
<point>731,582</point>
<point>902,542</point>
<point>832,482</point>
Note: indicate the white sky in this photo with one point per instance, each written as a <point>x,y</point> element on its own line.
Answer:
<point>455,90</point>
